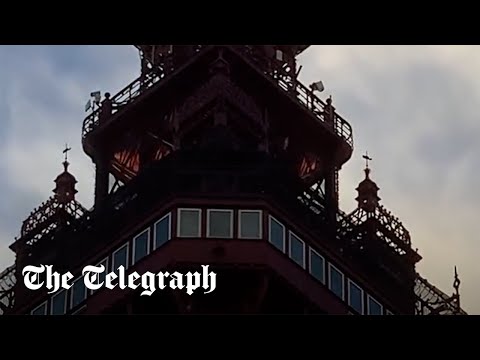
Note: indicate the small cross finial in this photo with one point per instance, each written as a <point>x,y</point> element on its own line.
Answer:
<point>67,149</point>
<point>367,158</point>
<point>66,163</point>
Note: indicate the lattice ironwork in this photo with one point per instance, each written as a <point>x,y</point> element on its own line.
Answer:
<point>7,283</point>
<point>124,97</point>
<point>314,198</point>
<point>126,163</point>
<point>48,217</point>
<point>128,94</point>
<point>387,227</point>
<point>432,301</point>
<point>301,93</point>
<point>281,76</point>
<point>160,58</point>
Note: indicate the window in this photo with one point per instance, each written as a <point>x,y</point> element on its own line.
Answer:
<point>40,310</point>
<point>317,266</point>
<point>277,234</point>
<point>79,292</point>
<point>336,281</point>
<point>120,257</point>
<point>220,223</point>
<point>374,307</point>
<point>101,276</point>
<point>355,297</point>
<point>189,222</point>
<point>141,246</point>
<point>250,224</point>
<point>59,303</point>
<point>297,250</point>
<point>162,231</point>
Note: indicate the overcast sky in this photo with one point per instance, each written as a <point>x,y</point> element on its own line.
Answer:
<point>414,108</point>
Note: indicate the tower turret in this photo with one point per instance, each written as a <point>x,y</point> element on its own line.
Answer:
<point>40,229</point>
<point>367,198</point>
<point>65,183</point>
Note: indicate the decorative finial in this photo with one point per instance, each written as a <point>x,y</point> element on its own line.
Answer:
<point>65,163</point>
<point>367,159</point>
<point>456,296</point>
<point>456,282</point>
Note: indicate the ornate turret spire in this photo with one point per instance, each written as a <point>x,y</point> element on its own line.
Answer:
<point>57,211</point>
<point>65,182</point>
<point>367,198</point>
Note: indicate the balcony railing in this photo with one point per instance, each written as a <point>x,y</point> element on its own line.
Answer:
<point>293,88</point>
<point>298,91</point>
<point>309,100</point>
<point>432,301</point>
<point>126,96</point>
<point>7,282</point>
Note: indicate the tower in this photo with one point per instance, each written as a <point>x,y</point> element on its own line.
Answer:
<point>219,155</point>
<point>41,234</point>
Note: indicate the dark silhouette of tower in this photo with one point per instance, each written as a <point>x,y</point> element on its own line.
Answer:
<point>219,155</point>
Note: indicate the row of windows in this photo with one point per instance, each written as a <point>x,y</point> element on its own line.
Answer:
<point>219,223</point>
<point>319,268</point>
<point>141,247</point>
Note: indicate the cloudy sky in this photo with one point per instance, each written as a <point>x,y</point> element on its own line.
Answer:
<point>414,108</point>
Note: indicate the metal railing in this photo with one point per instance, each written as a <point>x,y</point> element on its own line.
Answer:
<point>130,92</point>
<point>122,98</point>
<point>7,282</point>
<point>433,301</point>
<point>293,88</point>
<point>315,105</point>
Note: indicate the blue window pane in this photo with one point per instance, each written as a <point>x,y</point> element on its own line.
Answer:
<point>317,266</point>
<point>374,308</point>
<point>162,231</point>
<point>41,310</point>
<point>59,303</point>
<point>355,295</point>
<point>297,250</point>
<point>120,258</point>
<point>140,244</point>
<point>277,235</point>
<point>336,282</point>
<point>79,292</point>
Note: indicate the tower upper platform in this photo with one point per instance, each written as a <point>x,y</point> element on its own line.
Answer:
<point>177,81</point>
